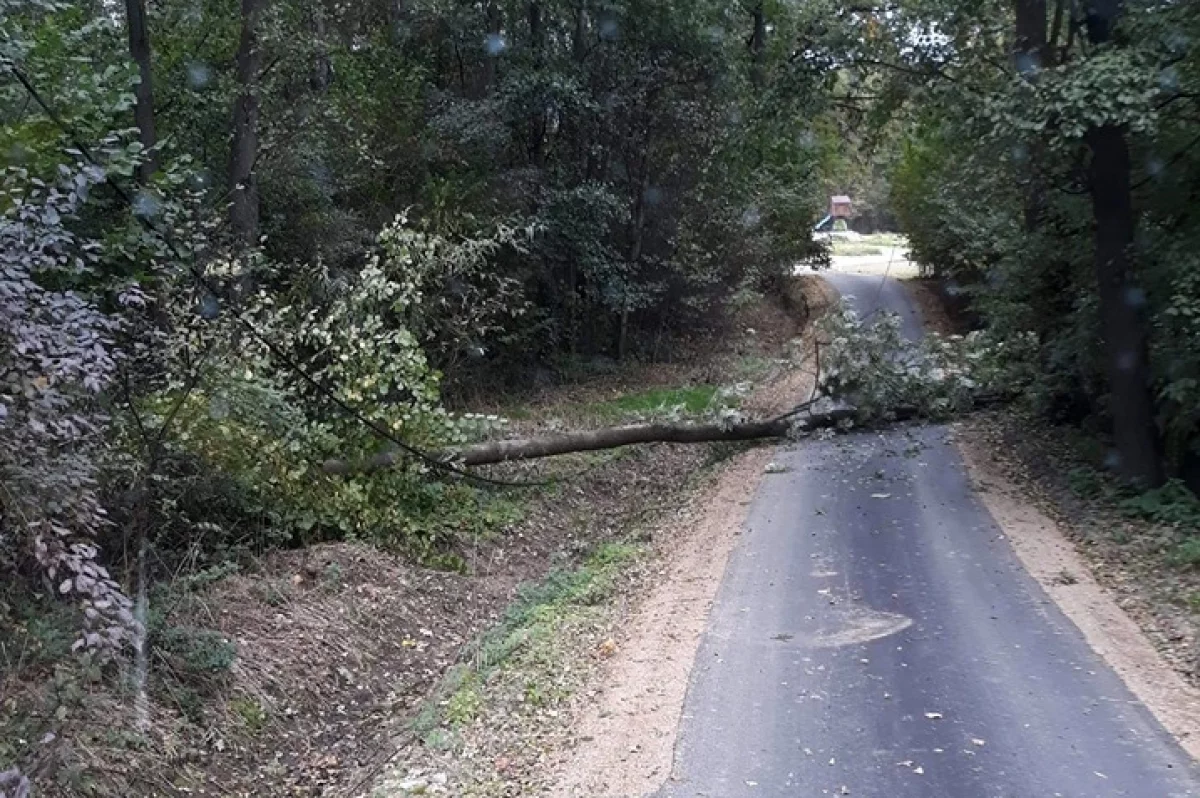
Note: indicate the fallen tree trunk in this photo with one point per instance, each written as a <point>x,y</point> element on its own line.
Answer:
<point>492,452</point>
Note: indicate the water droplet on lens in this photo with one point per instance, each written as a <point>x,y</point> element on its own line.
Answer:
<point>494,44</point>
<point>218,408</point>
<point>210,308</point>
<point>198,75</point>
<point>609,28</point>
<point>1135,297</point>
<point>200,180</point>
<point>147,204</point>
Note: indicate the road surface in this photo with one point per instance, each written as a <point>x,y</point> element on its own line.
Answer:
<point>876,636</point>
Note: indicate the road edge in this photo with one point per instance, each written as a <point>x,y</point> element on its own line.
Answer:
<point>626,735</point>
<point>648,678</point>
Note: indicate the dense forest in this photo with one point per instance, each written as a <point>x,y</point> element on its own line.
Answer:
<point>240,241</point>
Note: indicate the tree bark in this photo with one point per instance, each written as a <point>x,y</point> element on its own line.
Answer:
<point>322,76</point>
<point>492,452</point>
<point>143,109</point>
<point>243,184</point>
<point>758,46</point>
<point>612,438</point>
<point>579,38</point>
<point>491,61</point>
<point>1122,326</point>
<point>397,15</point>
<point>537,120</point>
<point>1031,55</point>
<point>1121,323</point>
<point>637,237</point>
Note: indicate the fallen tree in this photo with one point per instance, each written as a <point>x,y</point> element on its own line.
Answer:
<point>505,451</point>
<point>876,375</point>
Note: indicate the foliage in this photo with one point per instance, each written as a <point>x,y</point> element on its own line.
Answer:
<point>56,357</point>
<point>1172,505</point>
<point>1010,224</point>
<point>868,364</point>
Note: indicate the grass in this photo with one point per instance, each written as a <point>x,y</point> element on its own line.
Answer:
<point>873,244</point>
<point>521,654</point>
<point>884,240</point>
<point>693,399</point>
<point>854,248</point>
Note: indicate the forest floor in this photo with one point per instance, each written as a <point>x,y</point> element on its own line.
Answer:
<point>344,670</point>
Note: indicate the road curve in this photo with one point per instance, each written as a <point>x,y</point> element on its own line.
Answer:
<point>875,636</point>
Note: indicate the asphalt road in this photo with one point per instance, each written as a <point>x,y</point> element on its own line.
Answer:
<point>875,636</point>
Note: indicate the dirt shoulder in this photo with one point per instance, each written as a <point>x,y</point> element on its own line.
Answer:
<point>644,687</point>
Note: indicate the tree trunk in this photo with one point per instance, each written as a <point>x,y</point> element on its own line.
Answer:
<point>492,452</point>
<point>322,76</point>
<point>637,235</point>
<point>758,47</point>
<point>397,14</point>
<point>537,120</point>
<point>243,184</point>
<point>579,39</point>
<point>1122,326</point>
<point>143,109</point>
<point>1121,323</point>
<point>1030,56</point>
<point>1052,46</point>
<point>492,52</point>
<point>610,438</point>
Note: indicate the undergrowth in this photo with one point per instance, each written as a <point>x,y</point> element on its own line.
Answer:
<point>1171,507</point>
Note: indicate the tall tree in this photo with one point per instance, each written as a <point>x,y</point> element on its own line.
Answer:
<point>537,119</point>
<point>243,154</point>
<point>143,109</point>
<point>1123,327</point>
<point>758,44</point>
<point>1031,55</point>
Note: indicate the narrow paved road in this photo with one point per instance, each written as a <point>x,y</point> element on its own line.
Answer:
<point>875,636</point>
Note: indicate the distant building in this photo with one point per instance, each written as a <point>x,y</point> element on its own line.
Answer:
<point>840,206</point>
